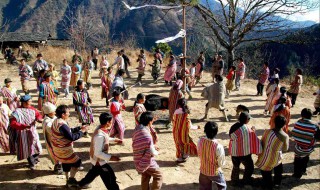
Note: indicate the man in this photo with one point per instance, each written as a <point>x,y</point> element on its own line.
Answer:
<point>5,113</point>
<point>118,84</point>
<point>95,55</point>
<point>144,152</point>
<point>215,95</point>
<point>305,133</point>
<point>48,93</point>
<point>39,65</point>
<point>24,138</point>
<point>274,142</point>
<point>243,143</point>
<point>49,110</point>
<point>127,63</point>
<point>25,73</point>
<point>217,67</point>
<point>212,158</point>
<point>88,67</point>
<point>10,94</point>
<point>240,73</point>
<point>99,156</point>
<point>62,144</point>
<point>263,78</point>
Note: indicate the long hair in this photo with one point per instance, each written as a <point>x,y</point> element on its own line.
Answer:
<point>282,100</point>
<point>183,104</point>
<point>139,97</point>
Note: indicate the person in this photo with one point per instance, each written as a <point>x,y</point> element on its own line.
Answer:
<point>104,64</point>
<point>170,71</point>
<point>25,73</point>
<point>138,107</point>
<point>54,75</point>
<point>106,84</point>
<point>243,142</point>
<point>99,156</point>
<point>49,111</point>
<point>88,68</point>
<point>199,71</point>
<point>65,73</point>
<point>118,126</point>
<point>274,142</point>
<point>82,101</point>
<point>185,76</point>
<point>39,64</point>
<point>7,52</point>
<point>295,87</point>
<point>272,77</point>
<point>263,78</point>
<point>127,63</point>
<point>215,95</point>
<point>142,65</point>
<point>217,67</point>
<point>156,68</point>
<point>240,73</point>
<point>230,80</point>
<point>10,94</point>
<point>272,91</point>
<point>212,159</point>
<point>24,139</point>
<point>185,146</point>
<point>27,55</point>
<point>76,72</point>
<point>202,59</point>
<point>19,51</point>
<point>62,139</point>
<point>47,93</point>
<point>94,55</point>
<point>175,94</point>
<point>158,55</point>
<point>77,57</point>
<point>317,102</point>
<point>282,92</point>
<point>5,114</point>
<point>305,133</point>
<point>192,76</point>
<point>119,62</point>
<point>144,153</point>
<point>119,85</point>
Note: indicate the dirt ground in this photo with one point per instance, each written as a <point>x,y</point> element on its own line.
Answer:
<point>15,175</point>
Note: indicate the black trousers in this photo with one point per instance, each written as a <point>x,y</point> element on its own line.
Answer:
<point>33,160</point>
<point>106,173</point>
<point>107,102</point>
<point>267,177</point>
<point>300,166</point>
<point>293,98</point>
<point>95,62</point>
<point>260,88</point>
<point>248,167</point>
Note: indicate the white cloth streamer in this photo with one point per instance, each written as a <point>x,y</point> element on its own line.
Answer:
<point>143,6</point>
<point>181,34</point>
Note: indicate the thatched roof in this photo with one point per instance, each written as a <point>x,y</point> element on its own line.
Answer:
<point>23,37</point>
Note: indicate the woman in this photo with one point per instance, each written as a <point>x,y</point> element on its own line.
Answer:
<point>118,126</point>
<point>10,94</point>
<point>82,101</point>
<point>106,84</point>
<point>272,91</point>
<point>185,147</point>
<point>281,109</point>
<point>171,71</point>
<point>295,87</point>
<point>175,95</point>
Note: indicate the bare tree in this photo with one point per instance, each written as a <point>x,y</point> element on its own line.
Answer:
<point>235,22</point>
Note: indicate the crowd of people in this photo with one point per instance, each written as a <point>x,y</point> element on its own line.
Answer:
<point>18,132</point>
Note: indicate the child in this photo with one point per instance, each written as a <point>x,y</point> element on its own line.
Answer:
<point>76,72</point>
<point>65,73</point>
<point>5,113</point>
<point>199,70</point>
<point>106,84</point>
<point>99,156</point>
<point>185,147</point>
<point>40,78</point>
<point>170,71</point>
<point>281,109</point>
<point>142,65</point>
<point>274,141</point>
<point>104,64</point>
<point>10,94</point>
<point>88,68</point>
<point>156,68</point>
<point>118,126</point>
<point>317,102</point>
<point>212,158</point>
<point>54,75</point>
<point>230,83</point>
<point>25,73</point>
<point>47,93</point>
<point>272,91</point>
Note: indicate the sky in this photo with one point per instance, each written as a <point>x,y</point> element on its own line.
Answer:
<point>311,15</point>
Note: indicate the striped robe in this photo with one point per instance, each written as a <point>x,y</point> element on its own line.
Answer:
<point>10,95</point>
<point>174,95</point>
<point>85,114</point>
<point>207,154</point>
<point>243,142</point>
<point>75,75</point>
<point>65,72</point>
<point>47,133</point>
<point>62,147</point>
<point>118,126</point>
<point>286,113</point>
<point>4,137</point>
<point>88,67</point>
<point>106,84</point>
<point>274,90</point>
<point>272,151</point>
<point>24,142</point>
<point>137,111</point>
<point>141,145</point>
<point>182,139</point>
<point>49,93</point>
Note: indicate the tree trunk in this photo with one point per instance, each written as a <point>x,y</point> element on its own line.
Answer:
<point>230,57</point>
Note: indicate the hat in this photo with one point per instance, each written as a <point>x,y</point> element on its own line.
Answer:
<point>39,55</point>
<point>48,108</point>
<point>25,98</point>
<point>48,74</point>
<point>7,80</point>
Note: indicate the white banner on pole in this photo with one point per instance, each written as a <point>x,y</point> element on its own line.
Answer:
<point>143,6</point>
<point>181,34</point>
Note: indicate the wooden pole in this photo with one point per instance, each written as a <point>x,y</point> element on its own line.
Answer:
<point>184,48</point>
